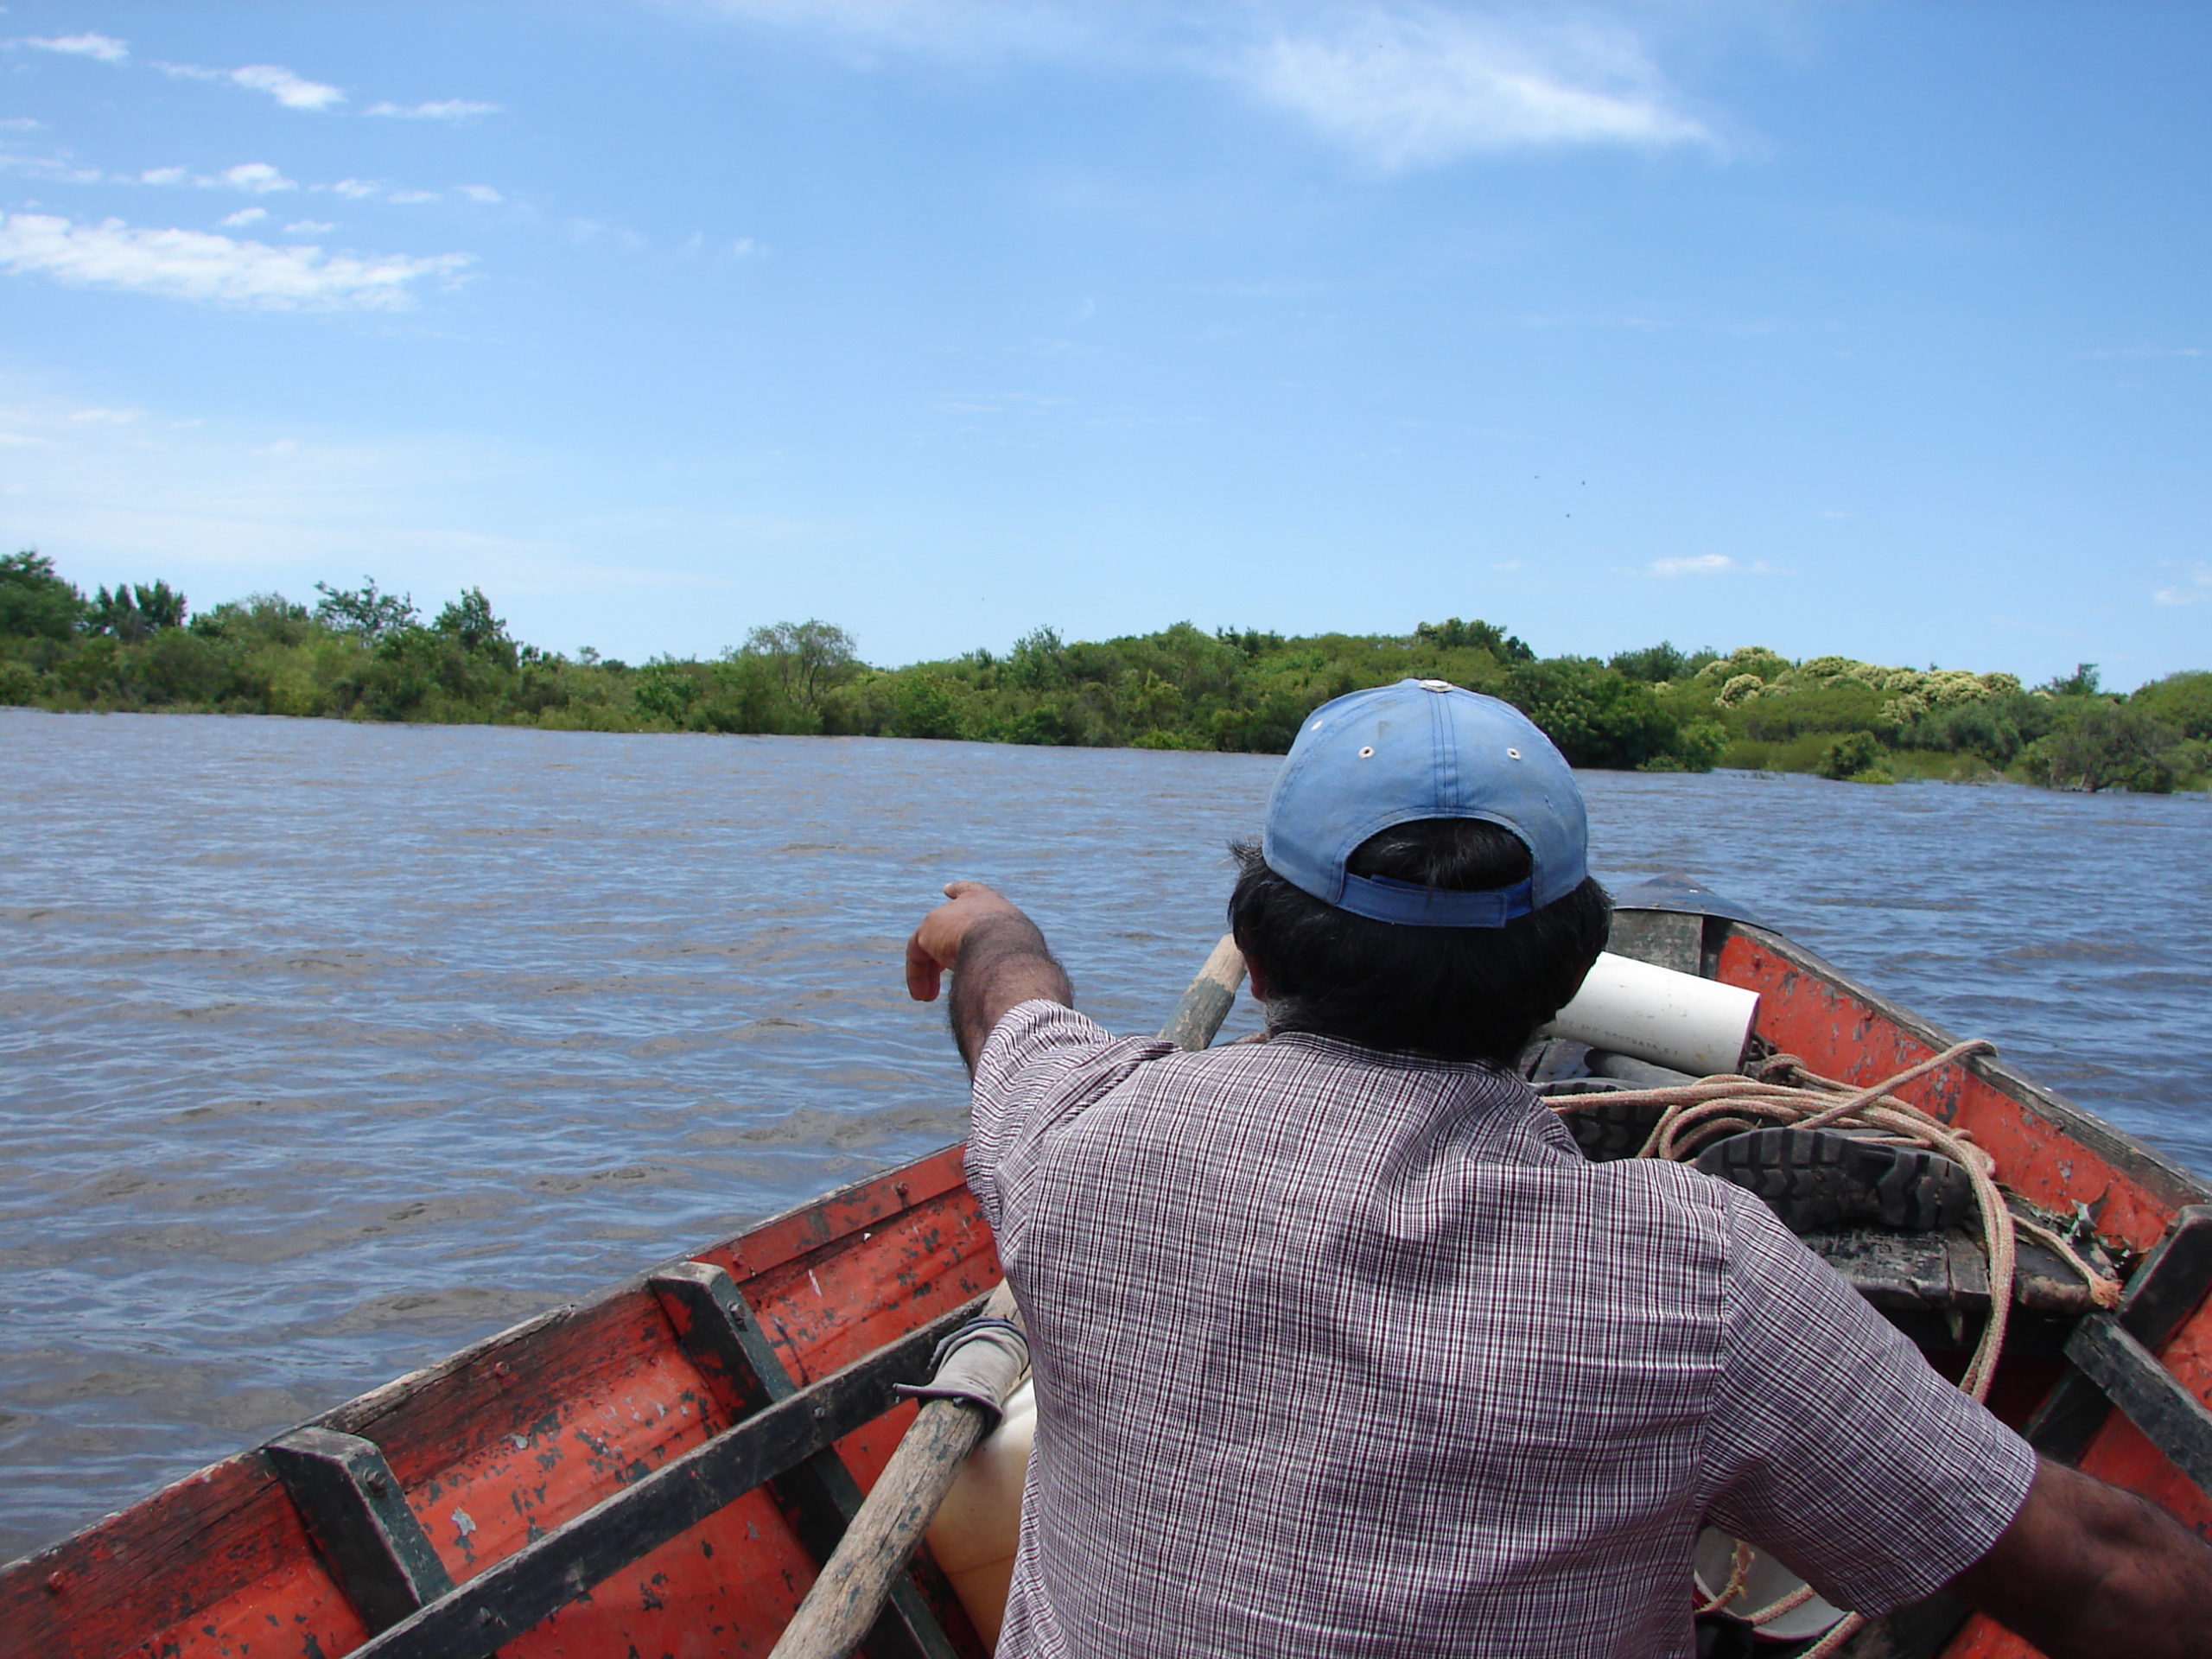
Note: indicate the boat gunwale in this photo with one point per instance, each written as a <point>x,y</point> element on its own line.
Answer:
<point>2165,1180</point>
<point>95,1552</point>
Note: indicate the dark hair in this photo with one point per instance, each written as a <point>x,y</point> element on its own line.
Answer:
<point>1450,992</point>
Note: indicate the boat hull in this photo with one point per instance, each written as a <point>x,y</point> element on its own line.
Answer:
<point>661,1469</point>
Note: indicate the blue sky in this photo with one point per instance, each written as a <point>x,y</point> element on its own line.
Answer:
<point>1877,329</point>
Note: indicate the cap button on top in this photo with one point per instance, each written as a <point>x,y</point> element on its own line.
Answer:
<point>1436,685</point>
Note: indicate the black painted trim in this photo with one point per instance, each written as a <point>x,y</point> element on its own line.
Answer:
<point>377,1551</point>
<point>2156,1400</point>
<point>2164,1292</point>
<point>512,1595</point>
<point>820,1495</point>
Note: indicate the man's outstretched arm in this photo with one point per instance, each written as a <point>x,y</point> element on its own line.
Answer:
<point>2087,1571</point>
<point>997,956</point>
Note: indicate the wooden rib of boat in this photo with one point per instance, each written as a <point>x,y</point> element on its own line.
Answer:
<point>660,1469</point>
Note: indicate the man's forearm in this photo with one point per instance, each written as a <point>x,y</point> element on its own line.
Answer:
<point>1003,962</point>
<point>2090,1571</point>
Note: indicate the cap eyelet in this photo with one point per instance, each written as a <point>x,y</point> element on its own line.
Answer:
<point>1367,753</point>
<point>1513,754</point>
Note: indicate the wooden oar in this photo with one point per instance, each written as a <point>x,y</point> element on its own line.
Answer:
<point>855,1582</point>
<point>1206,1004</point>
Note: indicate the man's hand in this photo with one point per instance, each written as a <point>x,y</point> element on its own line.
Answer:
<point>997,956</point>
<point>2087,1571</point>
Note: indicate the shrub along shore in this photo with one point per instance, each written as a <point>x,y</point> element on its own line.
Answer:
<point>363,654</point>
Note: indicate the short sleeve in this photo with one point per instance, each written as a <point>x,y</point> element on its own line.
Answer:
<point>1832,1444</point>
<point>1041,1062</point>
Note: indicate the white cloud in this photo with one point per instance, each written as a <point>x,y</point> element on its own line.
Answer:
<point>448,109</point>
<point>1703,564</point>
<point>106,47</point>
<point>211,270</point>
<point>243,217</point>
<point>592,233</point>
<point>1402,83</point>
<point>359,188</point>
<point>60,168</point>
<point>1408,87</point>
<point>293,92</point>
<point>2196,592</point>
<point>2137,351</point>
<point>256,177</point>
<point>478,192</point>
<point>21,124</point>
<point>310,227</point>
<point>411,196</point>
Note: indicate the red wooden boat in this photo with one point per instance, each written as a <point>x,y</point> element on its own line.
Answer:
<point>660,1469</point>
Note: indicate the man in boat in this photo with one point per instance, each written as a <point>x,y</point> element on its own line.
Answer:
<point>1341,1344</point>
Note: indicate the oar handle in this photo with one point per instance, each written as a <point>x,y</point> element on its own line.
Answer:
<point>1206,1004</point>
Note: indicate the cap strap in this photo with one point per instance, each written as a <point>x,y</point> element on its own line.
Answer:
<point>1386,899</point>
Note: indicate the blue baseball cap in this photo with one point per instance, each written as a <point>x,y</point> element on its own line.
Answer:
<point>1423,749</point>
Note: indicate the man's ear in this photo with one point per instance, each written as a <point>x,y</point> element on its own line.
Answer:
<point>1257,975</point>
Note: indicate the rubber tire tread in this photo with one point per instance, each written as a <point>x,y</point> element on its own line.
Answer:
<point>1813,1180</point>
<point>1606,1133</point>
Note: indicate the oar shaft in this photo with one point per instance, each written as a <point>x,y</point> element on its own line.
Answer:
<point>847,1600</point>
<point>1206,1004</point>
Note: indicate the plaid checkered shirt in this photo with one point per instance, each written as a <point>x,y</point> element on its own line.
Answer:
<point>1346,1352</point>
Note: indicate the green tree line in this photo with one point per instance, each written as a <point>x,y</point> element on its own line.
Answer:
<point>364,653</point>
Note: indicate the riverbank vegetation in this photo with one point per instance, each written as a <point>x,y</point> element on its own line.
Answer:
<point>365,654</point>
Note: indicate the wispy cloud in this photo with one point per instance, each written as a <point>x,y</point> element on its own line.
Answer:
<point>1406,87</point>
<point>60,168</point>
<point>258,178</point>
<point>2140,351</point>
<point>310,227</point>
<point>243,217</point>
<point>2195,591</point>
<point>255,178</point>
<point>211,270</point>
<point>446,109</point>
<point>1400,83</point>
<point>592,233</point>
<point>293,92</point>
<point>104,48</point>
<point>1702,564</point>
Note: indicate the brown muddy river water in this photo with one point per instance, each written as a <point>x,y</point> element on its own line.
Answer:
<point>325,1049</point>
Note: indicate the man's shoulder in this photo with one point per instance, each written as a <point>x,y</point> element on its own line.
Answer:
<point>1041,1032</point>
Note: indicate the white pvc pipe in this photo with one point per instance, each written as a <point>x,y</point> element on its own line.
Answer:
<point>1693,1025</point>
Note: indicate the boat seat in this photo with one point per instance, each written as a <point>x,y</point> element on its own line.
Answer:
<point>1935,1289</point>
